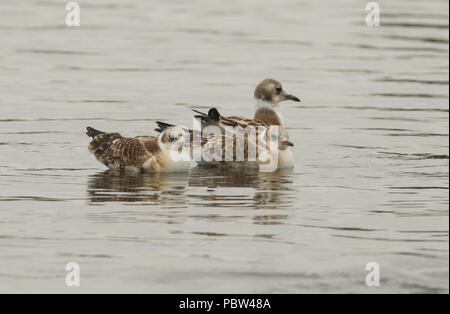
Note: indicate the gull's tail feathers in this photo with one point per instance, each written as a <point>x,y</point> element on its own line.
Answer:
<point>162,126</point>
<point>91,132</point>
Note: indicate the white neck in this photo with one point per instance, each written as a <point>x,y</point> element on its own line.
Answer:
<point>263,104</point>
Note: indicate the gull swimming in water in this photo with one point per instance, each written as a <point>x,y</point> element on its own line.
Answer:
<point>268,95</point>
<point>141,154</point>
<point>270,148</point>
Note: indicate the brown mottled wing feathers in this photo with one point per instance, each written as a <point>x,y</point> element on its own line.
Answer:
<point>243,122</point>
<point>115,151</point>
<point>150,143</point>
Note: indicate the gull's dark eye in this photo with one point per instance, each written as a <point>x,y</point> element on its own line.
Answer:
<point>278,90</point>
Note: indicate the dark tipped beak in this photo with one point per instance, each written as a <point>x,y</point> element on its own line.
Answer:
<point>293,98</point>
<point>287,143</point>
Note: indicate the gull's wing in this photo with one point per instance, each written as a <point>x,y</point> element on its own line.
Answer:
<point>117,152</point>
<point>215,118</point>
<point>243,122</point>
<point>150,143</point>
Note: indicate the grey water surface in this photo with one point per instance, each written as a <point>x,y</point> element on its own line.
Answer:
<point>370,182</point>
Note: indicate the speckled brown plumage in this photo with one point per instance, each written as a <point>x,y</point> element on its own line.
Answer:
<point>215,118</point>
<point>142,153</point>
<point>115,151</point>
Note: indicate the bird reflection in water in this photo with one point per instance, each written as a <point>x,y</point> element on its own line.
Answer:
<point>255,190</point>
<point>207,188</point>
<point>108,186</point>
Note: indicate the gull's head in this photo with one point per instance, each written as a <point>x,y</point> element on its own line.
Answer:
<point>173,137</point>
<point>278,136</point>
<point>271,91</point>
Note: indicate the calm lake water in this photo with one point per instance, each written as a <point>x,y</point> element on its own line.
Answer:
<point>371,145</point>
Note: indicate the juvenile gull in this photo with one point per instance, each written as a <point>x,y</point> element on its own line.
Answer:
<point>141,154</point>
<point>268,95</point>
<point>270,147</point>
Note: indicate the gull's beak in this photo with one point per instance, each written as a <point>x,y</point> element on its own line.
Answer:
<point>293,98</point>
<point>287,143</point>
<point>290,97</point>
